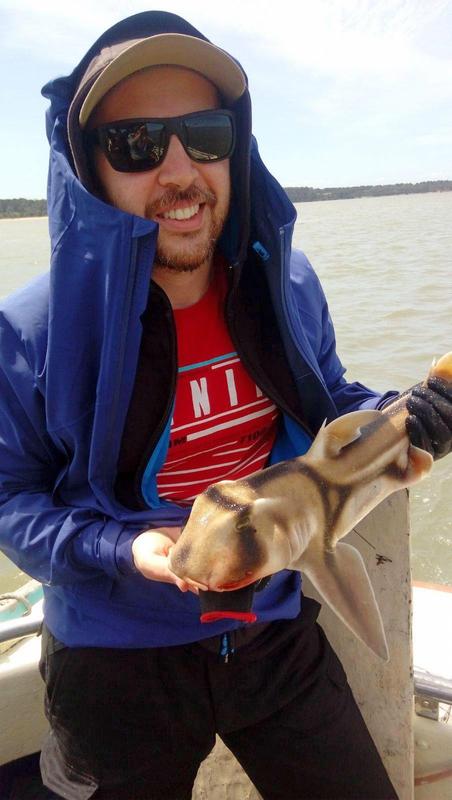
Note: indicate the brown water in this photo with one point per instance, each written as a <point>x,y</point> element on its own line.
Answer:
<point>386,267</point>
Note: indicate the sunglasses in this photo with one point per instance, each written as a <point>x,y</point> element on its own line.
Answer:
<point>138,145</point>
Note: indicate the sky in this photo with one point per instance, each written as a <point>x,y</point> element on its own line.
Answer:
<point>345,92</point>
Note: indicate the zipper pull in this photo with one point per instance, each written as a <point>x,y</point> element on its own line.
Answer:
<point>226,650</point>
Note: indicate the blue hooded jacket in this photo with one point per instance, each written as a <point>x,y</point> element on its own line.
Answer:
<point>69,345</point>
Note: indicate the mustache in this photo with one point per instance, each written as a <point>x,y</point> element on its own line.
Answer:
<point>168,200</point>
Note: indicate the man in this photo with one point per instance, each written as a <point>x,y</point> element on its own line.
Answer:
<point>179,340</point>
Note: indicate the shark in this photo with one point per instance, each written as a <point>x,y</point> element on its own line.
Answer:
<point>294,514</point>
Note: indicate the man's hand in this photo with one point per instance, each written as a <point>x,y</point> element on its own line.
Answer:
<point>429,424</point>
<point>150,554</point>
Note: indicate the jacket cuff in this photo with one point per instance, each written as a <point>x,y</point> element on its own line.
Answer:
<point>379,401</point>
<point>123,556</point>
<point>386,399</point>
<point>107,547</point>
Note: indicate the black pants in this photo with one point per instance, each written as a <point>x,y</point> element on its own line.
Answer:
<point>136,724</point>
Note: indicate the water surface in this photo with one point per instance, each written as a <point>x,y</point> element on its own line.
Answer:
<point>386,266</point>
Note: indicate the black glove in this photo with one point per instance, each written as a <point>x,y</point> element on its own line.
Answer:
<point>429,424</point>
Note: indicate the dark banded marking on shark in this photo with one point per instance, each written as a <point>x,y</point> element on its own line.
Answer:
<point>259,480</point>
<point>218,494</point>
<point>325,490</point>
<point>182,556</point>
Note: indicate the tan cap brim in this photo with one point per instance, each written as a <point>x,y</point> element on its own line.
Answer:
<point>173,49</point>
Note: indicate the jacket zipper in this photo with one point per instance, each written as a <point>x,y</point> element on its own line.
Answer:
<point>282,238</point>
<point>287,315</point>
<point>269,391</point>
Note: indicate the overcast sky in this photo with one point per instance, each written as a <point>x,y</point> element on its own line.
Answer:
<point>344,92</point>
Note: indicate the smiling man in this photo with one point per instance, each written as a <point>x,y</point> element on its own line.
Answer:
<point>188,198</point>
<point>178,340</point>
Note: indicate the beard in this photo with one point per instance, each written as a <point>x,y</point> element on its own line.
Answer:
<point>190,252</point>
<point>186,252</point>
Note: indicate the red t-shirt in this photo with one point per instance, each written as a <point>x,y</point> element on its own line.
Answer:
<point>223,426</point>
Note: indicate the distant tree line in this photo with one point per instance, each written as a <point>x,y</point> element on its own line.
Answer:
<point>304,194</point>
<point>21,207</point>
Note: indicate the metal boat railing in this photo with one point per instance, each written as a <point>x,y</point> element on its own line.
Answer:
<point>433,686</point>
<point>19,628</point>
<point>21,613</point>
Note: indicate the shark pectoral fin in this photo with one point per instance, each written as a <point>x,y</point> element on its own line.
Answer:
<point>331,439</point>
<point>419,464</point>
<point>341,578</point>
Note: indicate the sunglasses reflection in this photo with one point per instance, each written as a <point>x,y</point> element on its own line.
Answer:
<point>141,146</point>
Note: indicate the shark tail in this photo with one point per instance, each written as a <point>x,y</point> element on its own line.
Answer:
<point>341,579</point>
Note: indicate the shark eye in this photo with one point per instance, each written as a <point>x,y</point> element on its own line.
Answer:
<point>244,526</point>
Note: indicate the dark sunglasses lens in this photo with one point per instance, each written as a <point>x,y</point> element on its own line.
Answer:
<point>134,148</point>
<point>209,137</point>
<point>141,145</point>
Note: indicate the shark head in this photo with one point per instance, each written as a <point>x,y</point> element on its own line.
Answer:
<point>230,542</point>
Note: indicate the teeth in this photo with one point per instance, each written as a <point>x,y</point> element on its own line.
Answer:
<point>182,213</point>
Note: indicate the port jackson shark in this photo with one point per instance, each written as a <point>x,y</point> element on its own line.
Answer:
<point>293,515</point>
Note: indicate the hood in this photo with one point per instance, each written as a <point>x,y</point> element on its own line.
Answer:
<point>63,113</point>
<point>101,261</point>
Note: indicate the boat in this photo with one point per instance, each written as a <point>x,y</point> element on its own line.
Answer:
<point>407,703</point>
<point>432,659</point>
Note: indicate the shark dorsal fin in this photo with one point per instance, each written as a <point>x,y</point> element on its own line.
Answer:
<point>332,438</point>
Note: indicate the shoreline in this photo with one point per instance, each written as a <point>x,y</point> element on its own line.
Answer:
<point>20,219</point>
<point>327,197</point>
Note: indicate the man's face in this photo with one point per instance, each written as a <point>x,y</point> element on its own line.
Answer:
<point>201,191</point>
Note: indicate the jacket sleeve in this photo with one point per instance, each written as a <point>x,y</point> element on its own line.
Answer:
<point>346,396</point>
<point>50,541</point>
